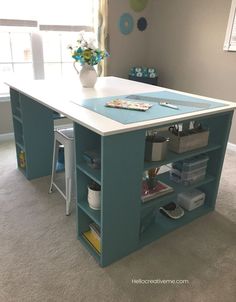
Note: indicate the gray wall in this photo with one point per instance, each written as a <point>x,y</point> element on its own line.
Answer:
<point>186,44</point>
<point>5,118</point>
<point>126,50</point>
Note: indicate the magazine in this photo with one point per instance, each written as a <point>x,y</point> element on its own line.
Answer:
<point>160,189</point>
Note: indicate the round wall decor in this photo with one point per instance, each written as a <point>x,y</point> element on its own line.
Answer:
<point>126,24</point>
<point>138,5</point>
<point>142,24</point>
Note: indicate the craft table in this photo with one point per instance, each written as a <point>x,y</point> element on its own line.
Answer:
<point>120,137</point>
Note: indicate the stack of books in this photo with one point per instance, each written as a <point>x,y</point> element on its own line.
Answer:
<point>158,190</point>
<point>93,236</point>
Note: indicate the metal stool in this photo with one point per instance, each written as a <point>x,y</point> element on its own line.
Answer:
<point>64,137</point>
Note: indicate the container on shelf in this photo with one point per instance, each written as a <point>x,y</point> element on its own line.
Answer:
<point>191,164</point>
<point>93,158</point>
<point>192,141</point>
<point>94,196</point>
<point>155,147</point>
<point>22,162</point>
<point>187,178</point>
<point>191,200</point>
<point>144,74</point>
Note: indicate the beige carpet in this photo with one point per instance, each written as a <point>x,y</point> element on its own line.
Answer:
<point>41,260</point>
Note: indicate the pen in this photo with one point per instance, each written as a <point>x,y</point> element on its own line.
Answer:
<point>165,104</point>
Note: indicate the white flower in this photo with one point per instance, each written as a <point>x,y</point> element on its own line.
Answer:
<point>139,74</point>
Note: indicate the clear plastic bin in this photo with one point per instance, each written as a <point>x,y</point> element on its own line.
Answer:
<point>188,178</point>
<point>191,200</point>
<point>191,164</point>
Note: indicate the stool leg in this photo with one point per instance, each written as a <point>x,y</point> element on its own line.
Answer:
<point>68,194</point>
<point>54,162</point>
<point>69,166</point>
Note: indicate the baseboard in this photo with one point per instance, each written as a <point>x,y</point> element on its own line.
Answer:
<point>6,137</point>
<point>231,147</point>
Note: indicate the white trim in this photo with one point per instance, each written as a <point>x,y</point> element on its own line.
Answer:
<point>15,22</point>
<point>4,98</point>
<point>74,28</point>
<point>231,147</point>
<point>6,137</point>
<point>227,44</point>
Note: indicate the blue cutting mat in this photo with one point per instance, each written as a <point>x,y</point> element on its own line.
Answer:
<point>125,116</point>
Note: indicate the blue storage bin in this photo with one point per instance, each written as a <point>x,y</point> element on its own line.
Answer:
<point>144,74</point>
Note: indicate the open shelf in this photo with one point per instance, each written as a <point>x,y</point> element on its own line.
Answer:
<point>172,156</point>
<point>178,188</point>
<point>90,248</point>
<point>94,174</point>
<point>17,118</point>
<point>164,225</point>
<point>21,146</point>
<point>95,215</point>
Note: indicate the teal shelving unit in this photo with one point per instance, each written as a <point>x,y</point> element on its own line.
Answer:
<point>33,130</point>
<point>120,177</point>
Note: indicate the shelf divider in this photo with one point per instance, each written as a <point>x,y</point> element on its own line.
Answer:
<point>95,215</point>
<point>94,174</point>
<point>172,156</point>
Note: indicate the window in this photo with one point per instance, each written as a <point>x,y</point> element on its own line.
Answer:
<point>38,49</point>
<point>230,38</point>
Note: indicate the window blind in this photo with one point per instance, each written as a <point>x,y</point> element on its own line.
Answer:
<point>70,15</point>
<point>232,43</point>
<point>230,37</point>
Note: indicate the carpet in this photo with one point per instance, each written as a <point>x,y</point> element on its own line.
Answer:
<point>41,259</point>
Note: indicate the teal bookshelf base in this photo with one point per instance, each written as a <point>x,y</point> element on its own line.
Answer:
<point>33,129</point>
<point>120,176</point>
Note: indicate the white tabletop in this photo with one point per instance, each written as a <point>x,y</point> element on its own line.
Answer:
<point>61,96</point>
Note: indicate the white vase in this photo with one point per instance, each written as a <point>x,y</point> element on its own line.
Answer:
<point>87,75</point>
<point>94,199</point>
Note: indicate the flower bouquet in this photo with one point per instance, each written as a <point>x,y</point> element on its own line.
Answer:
<point>88,55</point>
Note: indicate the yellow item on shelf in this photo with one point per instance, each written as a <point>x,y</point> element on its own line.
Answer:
<point>93,240</point>
<point>22,163</point>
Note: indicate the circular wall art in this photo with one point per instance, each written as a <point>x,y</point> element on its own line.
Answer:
<point>138,5</point>
<point>126,24</point>
<point>142,24</point>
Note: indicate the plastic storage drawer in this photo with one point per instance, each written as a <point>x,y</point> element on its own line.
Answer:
<point>187,178</point>
<point>191,164</point>
<point>191,200</point>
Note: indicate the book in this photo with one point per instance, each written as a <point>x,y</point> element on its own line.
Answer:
<point>131,105</point>
<point>160,189</point>
<point>95,229</point>
<point>92,240</point>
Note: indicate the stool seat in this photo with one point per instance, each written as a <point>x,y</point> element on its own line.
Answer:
<point>64,137</point>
